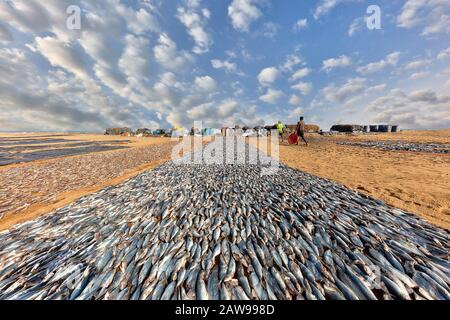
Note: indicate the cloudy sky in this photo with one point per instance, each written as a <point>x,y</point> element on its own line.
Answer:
<point>155,63</point>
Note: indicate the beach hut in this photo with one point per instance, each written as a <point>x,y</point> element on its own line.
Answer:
<point>211,132</point>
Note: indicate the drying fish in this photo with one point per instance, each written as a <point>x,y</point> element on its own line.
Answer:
<point>225,231</point>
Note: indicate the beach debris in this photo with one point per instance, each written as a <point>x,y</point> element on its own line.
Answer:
<point>143,132</point>
<point>347,128</point>
<point>119,132</point>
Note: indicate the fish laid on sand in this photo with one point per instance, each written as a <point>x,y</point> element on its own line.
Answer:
<point>225,232</point>
<point>401,146</point>
<point>24,186</point>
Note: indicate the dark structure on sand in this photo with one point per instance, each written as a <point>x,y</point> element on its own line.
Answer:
<point>350,128</point>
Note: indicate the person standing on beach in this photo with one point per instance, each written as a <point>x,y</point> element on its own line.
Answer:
<point>301,130</point>
<point>280,128</point>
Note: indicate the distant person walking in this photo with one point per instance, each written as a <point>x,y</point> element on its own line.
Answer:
<point>280,128</point>
<point>301,130</point>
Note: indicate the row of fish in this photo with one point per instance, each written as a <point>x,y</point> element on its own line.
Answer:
<point>225,231</point>
<point>401,146</point>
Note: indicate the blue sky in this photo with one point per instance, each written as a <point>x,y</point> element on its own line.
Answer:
<point>153,63</point>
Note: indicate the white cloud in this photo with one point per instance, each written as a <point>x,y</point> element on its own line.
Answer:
<point>169,79</point>
<point>112,78</point>
<point>304,87</point>
<point>419,75</point>
<point>109,52</point>
<point>200,112</point>
<point>243,13</point>
<point>237,89</point>
<point>355,26</point>
<point>206,84</point>
<point>224,64</point>
<point>377,88</point>
<point>133,62</point>
<point>340,62</point>
<point>176,119</point>
<point>58,101</point>
<point>390,60</point>
<point>432,16</point>
<point>165,94</point>
<point>167,55</point>
<point>138,21</point>
<point>424,109</point>
<point>15,63</point>
<point>295,113</point>
<point>227,108</point>
<point>301,73</point>
<point>300,25</point>
<point>122,68</point>
<point>444,54</point>
<point>25,16</point>
<point>291,61</point>
<point>295,100</point>
<point>195,20</point>
<point>271,96</point>
<point>217,114</point>
<point>268,76</point>
<point>62,55</point>
<point>340,94</point>
<point>324,7</point>
<point>408,17</point>
<point>439,24</point>
<point>99,48</point>
<point>36,17</point>
<point>417,64</point>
